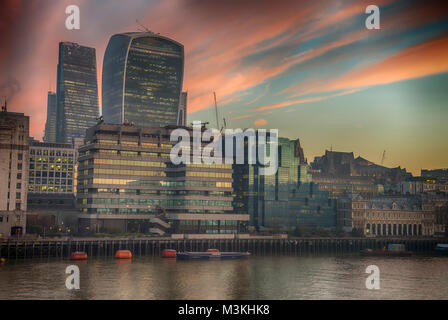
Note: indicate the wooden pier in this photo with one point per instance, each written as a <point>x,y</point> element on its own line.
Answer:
<point>106,247</point>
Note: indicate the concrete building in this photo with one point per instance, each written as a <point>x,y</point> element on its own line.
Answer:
<point>127,182</point>
<point>14,132</point>
<point>386,216</point>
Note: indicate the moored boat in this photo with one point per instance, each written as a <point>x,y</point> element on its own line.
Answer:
<point>390,250</point>
<point>441,248</point>
<point>211,254</point>
<point>78,255</point>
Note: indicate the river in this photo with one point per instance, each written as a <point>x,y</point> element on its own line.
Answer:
<point>263,277</point>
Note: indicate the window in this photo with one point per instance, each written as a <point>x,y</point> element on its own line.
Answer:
<point>1,219</point>
<point>18,195</point>
<point>19,166</point>
<point>18,186</point>
<point>20,156</point>
<point>19,176</point>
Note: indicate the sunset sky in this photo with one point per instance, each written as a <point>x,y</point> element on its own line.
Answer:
<point>308,68</point>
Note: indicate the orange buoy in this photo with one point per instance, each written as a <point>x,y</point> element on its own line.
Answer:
<point>123,254</point>
<point>169,253</point>
<point>78,255</point>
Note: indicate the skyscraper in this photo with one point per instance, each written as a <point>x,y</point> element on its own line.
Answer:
<point>142,79</point>
<point>50,125</point>
<point>77,91</point>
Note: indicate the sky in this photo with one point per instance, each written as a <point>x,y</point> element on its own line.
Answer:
<point>310,69</point>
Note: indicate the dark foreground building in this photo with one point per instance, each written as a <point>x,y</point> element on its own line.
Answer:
<point>126,181</point>
<point>142,79</point>
<point>286,199</point>
<point>77,91</point>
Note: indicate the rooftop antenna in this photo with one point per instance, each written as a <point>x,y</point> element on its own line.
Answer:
<point>141,25</point>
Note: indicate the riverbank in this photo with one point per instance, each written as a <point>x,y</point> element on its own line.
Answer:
<point>153,246</point>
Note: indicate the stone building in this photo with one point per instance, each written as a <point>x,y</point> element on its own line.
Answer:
<point>14,132</point>
<point>386,216</point>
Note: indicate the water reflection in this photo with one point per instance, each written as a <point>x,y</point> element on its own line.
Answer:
<point>305,277</point>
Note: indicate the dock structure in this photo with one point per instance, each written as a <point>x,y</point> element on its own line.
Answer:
<point>151,246</point>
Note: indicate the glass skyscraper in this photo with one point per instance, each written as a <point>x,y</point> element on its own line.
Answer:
<point>50,125</point>
<point>142,79</point>
<point>77,91</point>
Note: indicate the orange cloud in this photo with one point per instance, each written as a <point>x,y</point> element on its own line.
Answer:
<point>260,122</point>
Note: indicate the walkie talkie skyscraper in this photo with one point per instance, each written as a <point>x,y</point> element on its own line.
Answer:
<point>142,79</point>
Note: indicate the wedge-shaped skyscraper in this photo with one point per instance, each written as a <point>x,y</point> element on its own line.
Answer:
<point>142,79</point>
<point>77,91</point>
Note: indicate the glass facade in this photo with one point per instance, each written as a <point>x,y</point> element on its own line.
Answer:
<point>51,168</point>
<point>77,91</point>
<point>126,170</point>
<point>142,80</point>
<point>50,125</point>
<point>284,200</point>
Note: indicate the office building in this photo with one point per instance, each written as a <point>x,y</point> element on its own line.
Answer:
<point>286,199</point>
<point>126,181</point>
<point>50,125</point>
<point>14,132</point>
<point>142,79</point>
<point>77,91</point>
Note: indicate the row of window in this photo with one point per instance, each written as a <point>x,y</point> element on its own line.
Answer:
<point>51,167</point>
<point>45,188</point>
<point>137,182</point>
<point>56,153</point>
<point>165,203</point>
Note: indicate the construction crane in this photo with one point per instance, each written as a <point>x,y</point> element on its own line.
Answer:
<point>144,28</point>
<point>217,117</point>
<point>216,110</point>
<point>383,157</point>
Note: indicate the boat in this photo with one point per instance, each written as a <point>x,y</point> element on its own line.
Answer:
<point>442,248</point>
<point>211,254</point>
<point>123,254</point>
<point>390,250</point>
<point>78,255</point>
<point>169,253</point>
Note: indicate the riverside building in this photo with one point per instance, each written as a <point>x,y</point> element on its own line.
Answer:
<point>126,181</point>
<point>286,199</point>
<point>14,132</point>
<point>386,215</point>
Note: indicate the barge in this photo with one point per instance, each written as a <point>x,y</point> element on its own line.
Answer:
<point>390,250</point>
<point>211,254</point>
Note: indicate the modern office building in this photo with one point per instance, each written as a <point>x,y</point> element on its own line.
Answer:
<point>142,79</point>
<point>14,132</point>
<point>386,215</point>
<point>126,180</point>
<point>286,199</point>
<point>50,125</point>
<point>182,117</point>
<point>77,91</point>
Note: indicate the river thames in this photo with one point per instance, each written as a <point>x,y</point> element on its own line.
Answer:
<point>263,277</point>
